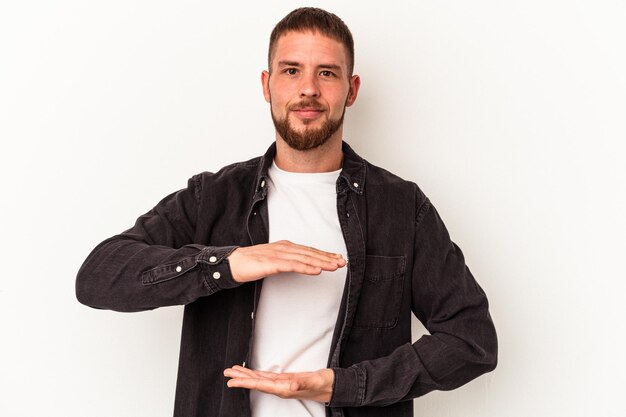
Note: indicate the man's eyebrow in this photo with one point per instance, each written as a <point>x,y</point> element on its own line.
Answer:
<point>297,64</point>
<point>330,66</point>
<point>288,64</point>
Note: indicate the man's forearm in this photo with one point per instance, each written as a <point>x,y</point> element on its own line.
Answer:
<point>123,274</point>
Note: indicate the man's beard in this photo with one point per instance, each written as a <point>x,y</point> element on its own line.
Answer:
<point>308,138</point>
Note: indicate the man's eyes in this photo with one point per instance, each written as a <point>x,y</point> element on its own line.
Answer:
<point>323,73</point>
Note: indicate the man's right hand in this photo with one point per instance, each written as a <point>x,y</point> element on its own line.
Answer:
<point>252,263</point>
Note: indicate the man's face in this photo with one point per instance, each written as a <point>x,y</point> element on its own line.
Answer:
<point>309,88</point>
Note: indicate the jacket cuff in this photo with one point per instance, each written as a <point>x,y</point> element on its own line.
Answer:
<point>348,388</point>
<point>215,267</point>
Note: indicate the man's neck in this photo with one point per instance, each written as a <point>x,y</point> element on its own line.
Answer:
<point>325,158</point>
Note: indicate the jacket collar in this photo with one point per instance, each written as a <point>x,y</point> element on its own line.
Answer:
<point>352,173</point>
<point>354,169</point>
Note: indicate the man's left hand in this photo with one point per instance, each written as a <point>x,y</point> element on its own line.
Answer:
<point>316,386</point>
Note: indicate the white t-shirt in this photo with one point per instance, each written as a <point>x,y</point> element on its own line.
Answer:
<point>296,315</point>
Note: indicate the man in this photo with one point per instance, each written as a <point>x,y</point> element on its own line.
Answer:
<point>317,327</point>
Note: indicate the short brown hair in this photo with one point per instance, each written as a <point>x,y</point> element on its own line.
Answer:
<point>314,20</point>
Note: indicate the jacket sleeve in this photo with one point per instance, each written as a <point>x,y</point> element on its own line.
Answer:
<point>462,343</point>
<point>155,263</point>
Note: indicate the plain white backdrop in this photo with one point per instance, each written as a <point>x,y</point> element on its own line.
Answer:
<point>509,115</point>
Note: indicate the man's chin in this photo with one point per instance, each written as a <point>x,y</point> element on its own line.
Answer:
<point>302,124</point>
<point>304,144</point>
<point>304,137</point>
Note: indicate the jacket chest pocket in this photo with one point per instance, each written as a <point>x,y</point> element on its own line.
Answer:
<point>381,293</point>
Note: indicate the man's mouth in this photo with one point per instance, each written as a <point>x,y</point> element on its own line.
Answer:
<point>307,109</point>
<point>308,112</point>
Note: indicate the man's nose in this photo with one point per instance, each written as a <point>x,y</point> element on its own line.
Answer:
<point>309,86</point>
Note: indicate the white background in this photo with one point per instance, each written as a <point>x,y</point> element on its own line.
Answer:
<point>509,114</point>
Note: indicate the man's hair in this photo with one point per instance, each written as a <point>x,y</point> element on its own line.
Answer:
<point>315,20</point>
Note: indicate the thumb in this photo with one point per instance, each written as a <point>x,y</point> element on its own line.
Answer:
<point>297,385</point>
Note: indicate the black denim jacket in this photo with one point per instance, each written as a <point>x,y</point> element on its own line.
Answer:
<point>400,260</point>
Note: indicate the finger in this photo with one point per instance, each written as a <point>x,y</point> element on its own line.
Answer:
<point>322,262</point>
<point>284,376</point>
<point>320,253</point>
<point>298,267</point>
<point>270,375</point>
<point>276,376</point>
<point>304,383</point>
<point>304,266</point>
<point>280,388</point>
<point>282,258</point>
<point>288,246</point>
<point>248,383</point>
<point>234,373</point>
<point>254,373</point>
<point>242,372</point>
<point>295,386</point>
<point>278,265</point>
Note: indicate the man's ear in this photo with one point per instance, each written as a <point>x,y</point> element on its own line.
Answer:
<point>355,84</point>
<point>265,80</point>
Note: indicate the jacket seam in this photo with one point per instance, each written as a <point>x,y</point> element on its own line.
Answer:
<point>361,383</point>
<point>197,188</point>
<point>422,210</point>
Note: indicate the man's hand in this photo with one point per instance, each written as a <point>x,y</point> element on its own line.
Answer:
<point>316,386</point>
<point>255,262</point>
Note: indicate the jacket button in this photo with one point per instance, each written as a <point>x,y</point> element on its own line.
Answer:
<point>216,275</point>
<point>212,259</point>
<point>356,185</point>
<point>179,268</point>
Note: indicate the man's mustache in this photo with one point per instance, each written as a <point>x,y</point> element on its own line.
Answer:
<point>307,104</point>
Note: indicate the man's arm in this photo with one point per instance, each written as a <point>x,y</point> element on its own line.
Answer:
<point>449,302</point>
<point>155,263</point>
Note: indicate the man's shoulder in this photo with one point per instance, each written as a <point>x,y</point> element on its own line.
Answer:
<point>232,179</point>
<point>380,175</point>
<point>381,180</point>
<point>237,171</point>
<point>374,175</point>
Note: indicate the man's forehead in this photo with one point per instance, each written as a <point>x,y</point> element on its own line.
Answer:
<point>306,43</point>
